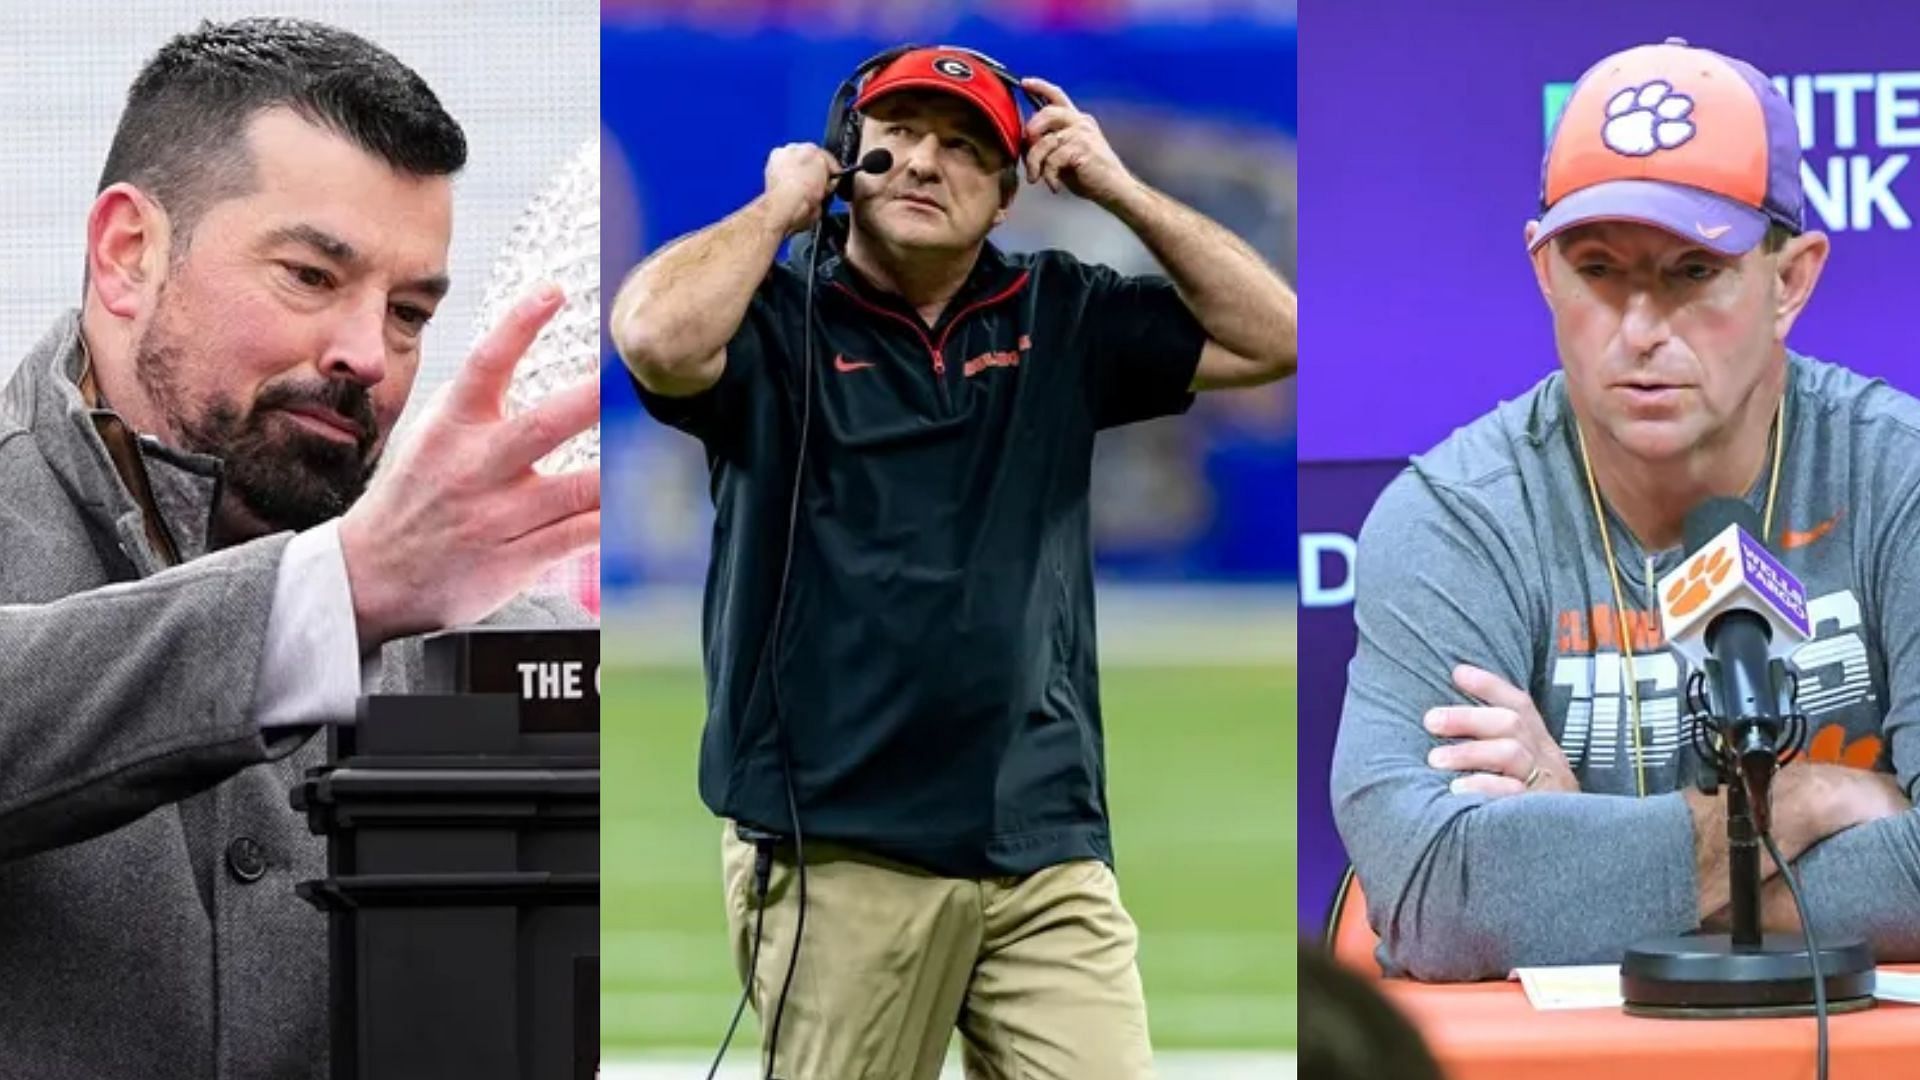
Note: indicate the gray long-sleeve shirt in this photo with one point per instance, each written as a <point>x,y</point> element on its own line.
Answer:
<point>1485,552</point>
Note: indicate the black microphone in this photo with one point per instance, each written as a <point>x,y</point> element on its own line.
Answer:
<point>1736,615</point>
<point>874,161</point>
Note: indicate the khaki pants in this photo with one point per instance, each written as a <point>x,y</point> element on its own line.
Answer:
<point>1037,973</point>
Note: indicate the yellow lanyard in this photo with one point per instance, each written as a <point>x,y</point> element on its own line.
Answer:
<point>1613,572</point>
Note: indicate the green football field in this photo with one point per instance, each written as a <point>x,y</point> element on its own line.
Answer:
<point>1201,784</point>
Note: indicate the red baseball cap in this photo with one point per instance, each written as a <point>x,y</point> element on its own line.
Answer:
<point>953,71</point>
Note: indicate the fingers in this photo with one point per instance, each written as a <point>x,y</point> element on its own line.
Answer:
<point>1045,131</point>
<point>799,176</point>
<point>1051,158</point>
<point>823,165</point>
<point>1050,119</point>
<point>561,540</point>
<point>1484,685</point>
<point>476,390</point>
<point>535,433</point>
<point>547,500</point>
<point>1046,92</point>
<point>801,158</point>
<point>1063,161</point>
<point>1487,784</point>
<point>1038,155</point>
<point>1471,722</point>
<point>1504,757</point>
<point>1502,744</point>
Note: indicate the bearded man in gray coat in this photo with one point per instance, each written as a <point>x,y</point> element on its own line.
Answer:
<point>199,565</point>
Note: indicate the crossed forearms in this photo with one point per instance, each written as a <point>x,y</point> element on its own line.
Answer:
<point>1811,802</point>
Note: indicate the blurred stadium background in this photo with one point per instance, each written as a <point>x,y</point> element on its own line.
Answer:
<point>521,77</point>
<point>1194,517</point>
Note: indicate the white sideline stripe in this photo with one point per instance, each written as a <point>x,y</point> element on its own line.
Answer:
<point>1139,624</point>
<point>1223,1065</point>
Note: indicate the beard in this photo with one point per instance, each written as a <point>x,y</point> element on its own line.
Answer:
<point>277,475</point>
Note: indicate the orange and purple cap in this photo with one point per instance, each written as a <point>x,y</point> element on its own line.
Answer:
<point>1680,138</point>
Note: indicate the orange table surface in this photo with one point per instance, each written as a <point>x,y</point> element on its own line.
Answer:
<point>1489,1031</point>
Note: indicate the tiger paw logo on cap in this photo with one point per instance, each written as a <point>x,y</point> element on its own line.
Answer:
<point>953,68</point>
<point>1644,119</point>
<point>1679,138</point>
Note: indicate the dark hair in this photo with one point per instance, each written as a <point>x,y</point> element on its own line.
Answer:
<point>1350,1031</point>
<point>182,138</point>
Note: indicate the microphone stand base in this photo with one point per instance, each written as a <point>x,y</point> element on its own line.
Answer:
<point>1707,976</point>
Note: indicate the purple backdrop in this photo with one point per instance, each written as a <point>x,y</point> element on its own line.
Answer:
<point>1422,127</point>
<point>1334,500</point>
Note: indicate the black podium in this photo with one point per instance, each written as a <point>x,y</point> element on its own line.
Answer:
<point>463,884</point>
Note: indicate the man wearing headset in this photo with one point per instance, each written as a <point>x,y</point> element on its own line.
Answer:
<point>1511,782</point>
<point>932,682</point>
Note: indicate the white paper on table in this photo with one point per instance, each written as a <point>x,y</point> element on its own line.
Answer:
<point>1897,986</point>
<point>1590,986</point>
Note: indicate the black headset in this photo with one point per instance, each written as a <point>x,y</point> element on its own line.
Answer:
<point>843,141</point>
<point>842,137</point>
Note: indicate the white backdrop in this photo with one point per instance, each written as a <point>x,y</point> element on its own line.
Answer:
<point>521,76</point>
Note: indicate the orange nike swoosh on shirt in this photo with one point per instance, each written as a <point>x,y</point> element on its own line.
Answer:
<point>841,363</point>
<point>1789,539</point>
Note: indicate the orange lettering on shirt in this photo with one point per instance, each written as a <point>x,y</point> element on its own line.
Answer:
<point>1583,631</point>
<point>992,359</point>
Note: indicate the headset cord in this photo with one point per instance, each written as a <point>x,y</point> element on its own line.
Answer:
<point>763,856</point>
<point>779,611</point>
<point>762,877</point>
